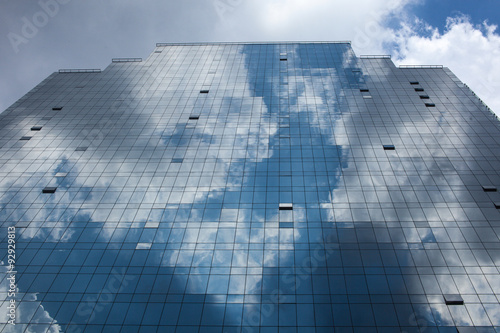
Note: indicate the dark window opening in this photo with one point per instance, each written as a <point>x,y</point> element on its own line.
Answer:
<point>49,190</point>
<point>389,147</point>
<point>424,96</point>
<point>36,128</point>
<point>194,117</point>
<point>286,206</point>
<point>419,89</point>
<point>430,105</point>
<point>57,108</point>
<point>414,82</point>
<point>204,91</point>
<point>489,189</point>
<point>453,300</point>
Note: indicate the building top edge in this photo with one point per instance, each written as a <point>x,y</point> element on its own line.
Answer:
<point>253,43</point>
<point>421,66</point>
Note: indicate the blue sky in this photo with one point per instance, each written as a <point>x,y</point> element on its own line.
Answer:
<point>88,34</point>
<point>435,12</point>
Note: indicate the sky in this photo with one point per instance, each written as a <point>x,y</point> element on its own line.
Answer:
<point>40,37</point>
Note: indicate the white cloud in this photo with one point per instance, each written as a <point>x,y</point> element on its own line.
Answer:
<point>276,20</point>
<point>472,52</point>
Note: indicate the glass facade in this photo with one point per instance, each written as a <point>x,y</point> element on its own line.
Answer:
<point>288,187</point>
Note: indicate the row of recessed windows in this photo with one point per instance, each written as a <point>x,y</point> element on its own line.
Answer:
<point>34,128</point>
<point>492,189</point>
<point>365,90</point>
<point>39,128</point>
<point>422,96</point>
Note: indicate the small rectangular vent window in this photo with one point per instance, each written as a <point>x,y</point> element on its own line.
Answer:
<point>204,91</point>
<point>143,246</point>
<point>81,148</point>
<point>414,83</point>
<point>36,128</point>
<point>419,89</point>
<point>61,174</point>
<point>283,59</point>
<point>489,189</point>
<point>25,138</point>
<point>430,105</point>
<point>364,90</point>
<point>497,205</point>
<point>194,117</point>
<point>49,190</point>
<point>286,206</point>
<point>57,108</point>
<point>389,147</point>
<point>424,96</point>
<point>453,299</point>
<point>177,160</point>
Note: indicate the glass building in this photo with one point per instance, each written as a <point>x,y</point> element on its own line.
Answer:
<point>250,187</point>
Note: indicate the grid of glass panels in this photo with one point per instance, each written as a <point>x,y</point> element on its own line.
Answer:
<point>251,187</point>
